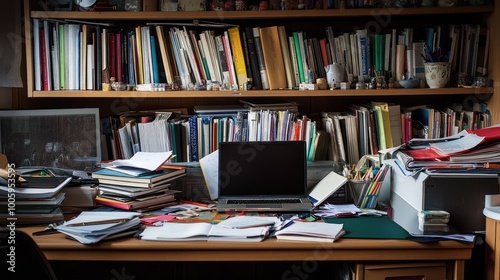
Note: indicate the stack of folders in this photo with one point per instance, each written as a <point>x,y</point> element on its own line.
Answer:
<point>91,227</point>
<point>138,193</point>
<point>33,200</point>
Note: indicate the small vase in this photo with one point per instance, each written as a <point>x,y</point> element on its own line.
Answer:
<point>241,5</point>
<point>437,74</point>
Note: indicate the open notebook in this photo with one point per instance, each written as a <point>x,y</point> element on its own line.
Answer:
<point>263,176</point>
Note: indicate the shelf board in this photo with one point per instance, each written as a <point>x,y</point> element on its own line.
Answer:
<point>249,15</point>
<point>262,93</point>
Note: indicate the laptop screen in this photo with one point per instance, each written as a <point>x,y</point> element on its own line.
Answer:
<point>275,168</point>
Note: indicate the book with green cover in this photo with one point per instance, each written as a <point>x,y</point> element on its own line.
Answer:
<point>299,56</point>
<point>380,127</point>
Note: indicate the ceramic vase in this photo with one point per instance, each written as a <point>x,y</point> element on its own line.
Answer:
<point>437,74</point>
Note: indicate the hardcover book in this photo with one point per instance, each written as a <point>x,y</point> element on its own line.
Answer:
<point>148,180</point>
<point>238,56</point>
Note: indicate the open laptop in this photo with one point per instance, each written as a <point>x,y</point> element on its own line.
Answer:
<point>263,176</point>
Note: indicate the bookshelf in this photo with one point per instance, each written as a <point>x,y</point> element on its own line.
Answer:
<point>310,100</point>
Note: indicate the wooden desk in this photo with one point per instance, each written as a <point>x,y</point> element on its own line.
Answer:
<point>58,248</point>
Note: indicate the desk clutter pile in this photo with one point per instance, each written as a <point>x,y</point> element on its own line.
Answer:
<point>185,224</point>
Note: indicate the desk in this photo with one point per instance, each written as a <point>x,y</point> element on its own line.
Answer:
<point>58,248</point>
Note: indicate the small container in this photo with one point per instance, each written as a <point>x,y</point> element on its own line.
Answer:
<point>437,74</point>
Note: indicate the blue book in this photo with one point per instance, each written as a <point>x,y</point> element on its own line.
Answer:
<point>156,75</point>
<point>193,138</point>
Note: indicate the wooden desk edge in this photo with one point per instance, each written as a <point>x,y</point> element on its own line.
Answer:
<point>57,247</point>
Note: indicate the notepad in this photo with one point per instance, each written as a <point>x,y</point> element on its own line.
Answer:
<point>311,231</point>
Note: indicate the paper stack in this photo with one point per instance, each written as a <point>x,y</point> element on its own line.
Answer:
<point>203,231</point>
<point>33,200</point>
<point>91,227</point>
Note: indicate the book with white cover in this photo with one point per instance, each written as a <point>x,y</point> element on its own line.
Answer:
<point>140,163</point>
<point>326,187</point>
<point>311,231</point>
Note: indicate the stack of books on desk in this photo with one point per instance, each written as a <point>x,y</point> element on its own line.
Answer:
<point>139,193</point>
<point>33,200</point>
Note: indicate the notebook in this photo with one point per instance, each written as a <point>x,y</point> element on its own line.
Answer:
<point>263,176</point>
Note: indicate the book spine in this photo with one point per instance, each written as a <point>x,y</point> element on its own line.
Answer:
<point>299,56</point>
<point>193,139</point>
<point>290,77</point>
<point>273,57</point>
<point>154,58</point>
<point>43,56</point>
<point>260,57</point>
<point>47,57</point>
<point>238,56</point>
<point>380,127</point>
<point>253,60</point>
<point>230,62</point>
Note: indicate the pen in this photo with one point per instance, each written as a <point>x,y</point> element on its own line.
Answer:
<point>98,222</point>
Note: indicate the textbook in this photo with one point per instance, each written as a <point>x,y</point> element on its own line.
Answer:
<point>203,231</point>
<point>132,192</point>
<point>125,203</point>
<point>108,176</point>
<point>311,231</point>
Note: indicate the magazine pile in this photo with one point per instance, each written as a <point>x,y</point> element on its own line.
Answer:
<point>468,151</point>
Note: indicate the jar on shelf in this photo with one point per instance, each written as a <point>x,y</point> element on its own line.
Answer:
<point>241,5</point>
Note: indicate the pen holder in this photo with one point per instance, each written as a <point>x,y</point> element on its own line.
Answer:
<point>358,190</point>
<point>437,74</point>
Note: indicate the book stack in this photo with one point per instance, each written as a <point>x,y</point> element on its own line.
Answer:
<point>433,221</point>
<point>32,200</point>
<point>139,193</point>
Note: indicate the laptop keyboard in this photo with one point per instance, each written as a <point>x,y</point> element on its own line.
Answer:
<point>263,201</point>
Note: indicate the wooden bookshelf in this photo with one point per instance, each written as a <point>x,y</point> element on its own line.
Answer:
<point>251,15</point>
<point>263,93</point>
<point>490,15</point>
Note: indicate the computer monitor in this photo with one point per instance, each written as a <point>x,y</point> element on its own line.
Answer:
<point>62,138</point>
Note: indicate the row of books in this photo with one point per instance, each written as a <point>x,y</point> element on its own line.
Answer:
<point>83,55</point>
<point>345,136</point>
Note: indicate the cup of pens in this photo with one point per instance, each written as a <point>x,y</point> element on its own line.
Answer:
<point>437,74</point>
<point>358,190</point>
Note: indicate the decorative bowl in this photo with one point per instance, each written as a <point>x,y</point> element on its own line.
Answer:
<point>410,83</point>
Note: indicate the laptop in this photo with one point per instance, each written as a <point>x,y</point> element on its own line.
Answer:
<point>263,176</point>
